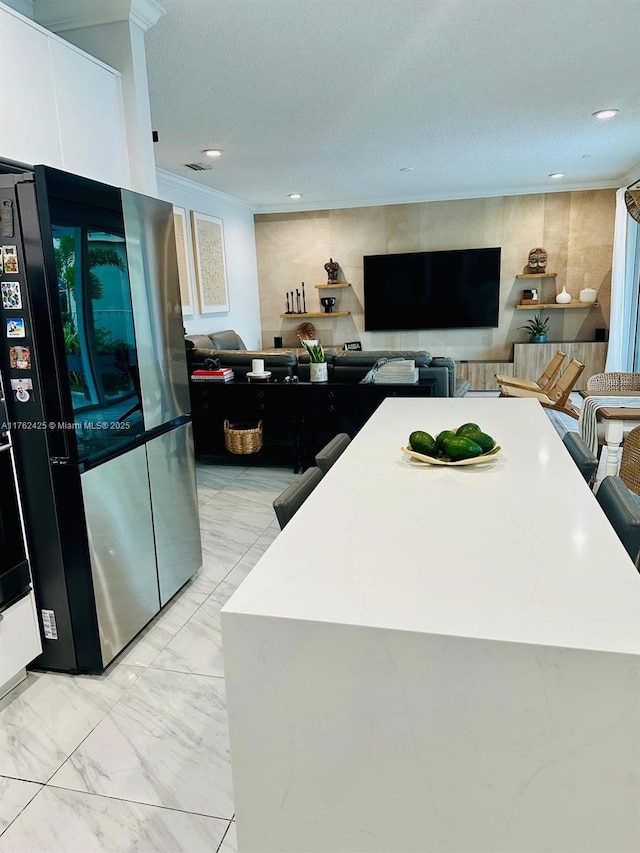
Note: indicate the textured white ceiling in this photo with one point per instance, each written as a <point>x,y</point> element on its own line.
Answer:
<point>332,98</point>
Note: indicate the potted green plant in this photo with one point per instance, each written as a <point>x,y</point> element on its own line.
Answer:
<point>317,365</point>
<point>537,328</point>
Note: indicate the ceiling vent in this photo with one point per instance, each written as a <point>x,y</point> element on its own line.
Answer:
<point>198,167</point>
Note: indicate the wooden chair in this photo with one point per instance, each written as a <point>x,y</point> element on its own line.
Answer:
<point>332,451</point>
<point>557,397</point>
<point>542,383</point>
<point>613,381</point>
<point>586,461</point>
<point>622,508</point>
<point>289,502</point>
<point>630,461</point>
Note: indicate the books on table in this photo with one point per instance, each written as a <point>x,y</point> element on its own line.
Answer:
<point>222,374</point>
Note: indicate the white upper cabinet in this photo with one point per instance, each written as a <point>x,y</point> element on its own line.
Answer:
<point>90,116</point>
<point>59,106</point>
<point>28,125</point>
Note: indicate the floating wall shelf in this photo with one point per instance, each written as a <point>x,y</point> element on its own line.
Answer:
<point>538,275</point>
<point>316,314</point>
<point>584,305</point>
<point>334,285</point>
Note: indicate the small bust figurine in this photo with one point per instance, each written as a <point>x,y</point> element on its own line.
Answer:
<point>537,260</point>
<point>332,268</point>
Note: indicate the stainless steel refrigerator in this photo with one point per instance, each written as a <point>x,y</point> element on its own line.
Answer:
<point>95,372</point>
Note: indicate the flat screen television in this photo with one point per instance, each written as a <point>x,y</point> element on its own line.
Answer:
<point>455,289</point>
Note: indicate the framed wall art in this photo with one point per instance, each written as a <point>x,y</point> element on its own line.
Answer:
<point>211,271</point>
<point>184,267</point>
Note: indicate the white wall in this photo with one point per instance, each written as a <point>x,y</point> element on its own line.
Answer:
<point>240,256</point>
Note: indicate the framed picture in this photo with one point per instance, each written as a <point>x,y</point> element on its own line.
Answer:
<point>211,272</point>
<point>184,267</point>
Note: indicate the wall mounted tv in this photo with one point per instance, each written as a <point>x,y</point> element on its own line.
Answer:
<point>456,289</point>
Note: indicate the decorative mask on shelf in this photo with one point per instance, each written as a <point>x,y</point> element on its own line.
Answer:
<point>538,260</point>
<point>332,268</point>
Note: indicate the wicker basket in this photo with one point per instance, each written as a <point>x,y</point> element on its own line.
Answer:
<point>242,438</point>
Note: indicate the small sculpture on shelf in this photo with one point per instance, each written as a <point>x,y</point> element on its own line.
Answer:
<point>332,268</point>
<point>327,303</point>
<point>538,260</point>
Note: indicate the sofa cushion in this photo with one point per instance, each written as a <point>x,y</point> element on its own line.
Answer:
<point>203,342</point>
<point>227,339</point>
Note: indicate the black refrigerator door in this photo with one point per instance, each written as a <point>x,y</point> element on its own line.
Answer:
<point>90,302</point>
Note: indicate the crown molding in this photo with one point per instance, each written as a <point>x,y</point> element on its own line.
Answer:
<point>444,196</point>
<point>631,177</point>
<point>24,7</point>
<point>64,15</point>
<point>169,179</point>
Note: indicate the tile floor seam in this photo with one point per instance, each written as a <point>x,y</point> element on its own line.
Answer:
<point>31,799</point>
<point>129,800</point>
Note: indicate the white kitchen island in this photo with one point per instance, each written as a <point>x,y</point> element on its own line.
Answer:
<point>439,659</point>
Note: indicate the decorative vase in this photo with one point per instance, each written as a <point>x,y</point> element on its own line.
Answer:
<point>538,339</point>
<point>588,294</point>
<point>563,297</point>
<point>318,371</point>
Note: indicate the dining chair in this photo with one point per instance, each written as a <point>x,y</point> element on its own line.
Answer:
<point>622,508</point>
<point>556,397</point>
<point>289,502</point>
<point>543,382</point>
<point>581,454</point>
<point>332,451</point>
<point>613,381</point>
<point>630,461</point>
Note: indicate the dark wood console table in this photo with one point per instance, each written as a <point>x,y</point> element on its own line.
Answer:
<point>298,418</point>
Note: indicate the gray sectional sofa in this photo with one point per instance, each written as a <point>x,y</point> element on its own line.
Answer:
<point>229,350</point>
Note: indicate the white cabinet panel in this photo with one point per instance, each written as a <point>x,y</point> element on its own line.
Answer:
<point>19,638</point>
<point>89,116</point>
<point>29,127</point>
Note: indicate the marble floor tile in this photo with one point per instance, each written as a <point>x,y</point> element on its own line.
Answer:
<point>231,515</point>
<point>230,842</point>
<point>47,716</point>
<point>14,796</point>
<point>61,821</point>
<point>238,573</point>
<point>165,743</point>
<point>216,477</point>
<point>197,647</point>
<point>163,628</point>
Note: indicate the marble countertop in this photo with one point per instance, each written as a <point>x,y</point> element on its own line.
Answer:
<point>515,551</point>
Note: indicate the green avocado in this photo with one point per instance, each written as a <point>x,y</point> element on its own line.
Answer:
<point>467,428</point>
<point>422,442</point>
<point>485,441</point>
<point>440,438</point>
<point>459,447</point>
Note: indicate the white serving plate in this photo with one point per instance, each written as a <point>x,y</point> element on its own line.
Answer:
<point>489,456</point>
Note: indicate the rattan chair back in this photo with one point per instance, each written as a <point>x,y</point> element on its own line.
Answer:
<point>613,381</point>
<point>630,461</point>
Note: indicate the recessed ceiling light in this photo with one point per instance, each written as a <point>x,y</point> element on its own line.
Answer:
<point>294,195</point>
<point>557,175</point>
<point>606,113</point>
<point>212,152</point>
<point>407,169</point>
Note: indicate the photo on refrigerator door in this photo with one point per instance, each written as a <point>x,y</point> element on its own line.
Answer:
<point>20,358</point>
<point>22,390</point>
<point>11,295</point>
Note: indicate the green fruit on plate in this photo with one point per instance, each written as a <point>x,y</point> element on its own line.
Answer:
<point>458,447</point>
<point>442,436</point>
<point>485,441</point>
<point>467,428</point>
<point>422,442</point>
